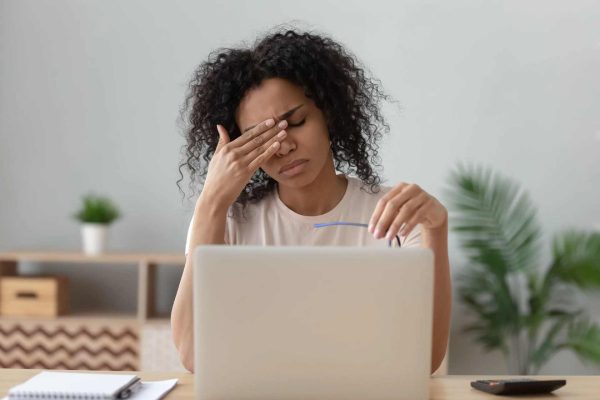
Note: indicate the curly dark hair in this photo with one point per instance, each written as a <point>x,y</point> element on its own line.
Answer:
<point>330,76</point>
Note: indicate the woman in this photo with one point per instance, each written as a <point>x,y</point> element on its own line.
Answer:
<point>269,128</point>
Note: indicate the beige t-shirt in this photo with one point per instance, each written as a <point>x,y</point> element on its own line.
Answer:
<point>270,222</point>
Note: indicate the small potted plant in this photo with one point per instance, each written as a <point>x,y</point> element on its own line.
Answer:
<point>96,214</point>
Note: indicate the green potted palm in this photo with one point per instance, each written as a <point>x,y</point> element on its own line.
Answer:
<point>96,215</point>
<point>525,310</point>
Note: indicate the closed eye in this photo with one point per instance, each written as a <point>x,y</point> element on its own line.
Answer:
<point>298,124</point>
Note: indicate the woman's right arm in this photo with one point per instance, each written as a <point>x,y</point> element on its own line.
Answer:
<point>230,169</point>
<point>208,228</point>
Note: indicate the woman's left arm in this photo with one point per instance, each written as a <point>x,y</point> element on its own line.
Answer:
<point>399,212</point>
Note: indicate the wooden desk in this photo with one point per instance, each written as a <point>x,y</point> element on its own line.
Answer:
<point>451,387</point>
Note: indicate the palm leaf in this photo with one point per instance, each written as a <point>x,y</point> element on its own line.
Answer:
<point>549,345</point>
<point>576,259</point>
<point>584,340</point>
<point>492,302</point>
<point>494,218</point>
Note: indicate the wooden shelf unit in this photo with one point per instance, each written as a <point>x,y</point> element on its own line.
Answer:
<point>91,340</point>
<point>147,264</point>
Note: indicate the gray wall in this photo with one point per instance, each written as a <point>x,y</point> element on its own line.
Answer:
<point>90,93</point>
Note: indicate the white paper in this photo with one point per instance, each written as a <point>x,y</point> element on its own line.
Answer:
<point>153,390</point>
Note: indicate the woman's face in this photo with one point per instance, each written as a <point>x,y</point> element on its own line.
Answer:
<point>307,138</point>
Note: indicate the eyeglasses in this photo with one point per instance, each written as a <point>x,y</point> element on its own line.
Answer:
<point>354,224</point>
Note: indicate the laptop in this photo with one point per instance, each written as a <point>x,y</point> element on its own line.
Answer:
<point>312,322</point>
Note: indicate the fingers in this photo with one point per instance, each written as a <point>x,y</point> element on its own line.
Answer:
<point>381,204</point>
<point>247,136</point>
<point>395,209</point>
<point>389,205</point>
<point>410,214</point>
<point>264,156</point>
<point>254,147</point>
<point>396,213</point>
<point>255,139</point>
<point>223,137</point>
<point>260,150</point>
<point>415,220</point>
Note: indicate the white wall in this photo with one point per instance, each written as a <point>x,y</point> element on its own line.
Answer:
<point>90,93</point>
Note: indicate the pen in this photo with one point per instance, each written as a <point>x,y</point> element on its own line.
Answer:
<point>131,389</point>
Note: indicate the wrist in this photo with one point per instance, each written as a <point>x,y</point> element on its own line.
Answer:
<point>442,227</point>
<point>440,231</point>
<point>210,206</point>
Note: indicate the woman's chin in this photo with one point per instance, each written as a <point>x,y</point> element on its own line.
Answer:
<point>298,181</point>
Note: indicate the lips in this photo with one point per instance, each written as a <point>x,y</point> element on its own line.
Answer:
<point>292,165</point>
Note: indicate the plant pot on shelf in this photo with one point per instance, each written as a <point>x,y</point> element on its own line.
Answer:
<point>95,216</point>
<point>94,238</point>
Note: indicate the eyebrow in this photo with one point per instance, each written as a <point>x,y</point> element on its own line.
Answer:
<point>282,116</point>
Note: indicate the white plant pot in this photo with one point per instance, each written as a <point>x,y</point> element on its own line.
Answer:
<point>94,238</point>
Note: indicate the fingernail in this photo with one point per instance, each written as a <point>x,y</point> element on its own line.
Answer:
<point>270,122</point>
<point>281,134</point>
<point>376,234</point>
<point>282,124</point>
<point>370,228</point>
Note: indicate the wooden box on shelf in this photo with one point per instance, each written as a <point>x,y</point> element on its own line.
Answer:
<point>39,296</point>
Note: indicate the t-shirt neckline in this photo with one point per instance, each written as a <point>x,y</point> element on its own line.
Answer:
<point>328,216</point>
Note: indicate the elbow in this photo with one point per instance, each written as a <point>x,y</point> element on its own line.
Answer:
<point>435,364</point>
<point>186,355</point>
<point>184,346</point>
<point>437,359</point>
<point>187,362</point>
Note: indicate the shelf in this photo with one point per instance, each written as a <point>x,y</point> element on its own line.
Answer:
<point>147,264</point>
<point>107,258</point>
<point>79,317</point>
<point>158,321</point>
<point>91,338</point>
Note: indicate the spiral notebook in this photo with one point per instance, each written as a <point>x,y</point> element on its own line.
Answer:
<point>88,386</point>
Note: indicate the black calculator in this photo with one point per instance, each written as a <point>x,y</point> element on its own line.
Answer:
<point>518,386</point>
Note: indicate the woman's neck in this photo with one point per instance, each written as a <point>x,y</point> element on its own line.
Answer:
<point>317,198</point>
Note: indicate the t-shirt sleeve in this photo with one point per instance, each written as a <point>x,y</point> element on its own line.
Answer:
<point>189,234</point>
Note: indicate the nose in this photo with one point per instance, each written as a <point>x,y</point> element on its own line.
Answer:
<point>287,146</point>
